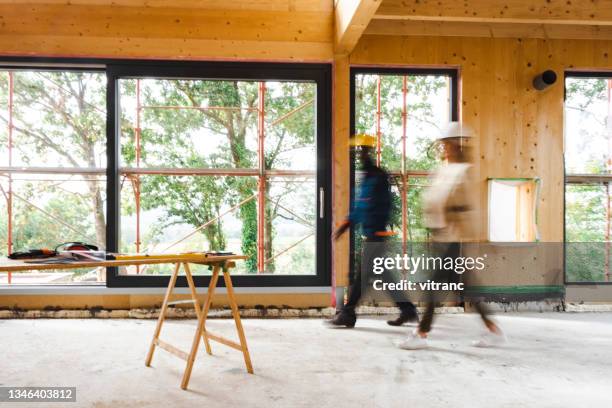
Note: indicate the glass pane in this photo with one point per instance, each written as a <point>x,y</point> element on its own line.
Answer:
<point>49,210</point>
<point>190,213</point>
<point>585,213</point>
<point>189,123</point>
<point>427,109</point>
<point>59,119</point>
<point>588,127</point>
<point>585,233</point>
<point>416,229</point>
<point>290,131</point>
<point>290,226</point>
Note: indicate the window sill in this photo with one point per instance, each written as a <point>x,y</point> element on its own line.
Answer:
<point>103,290</point>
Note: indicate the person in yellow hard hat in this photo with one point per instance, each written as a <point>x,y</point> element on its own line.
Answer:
<point>370,211</point>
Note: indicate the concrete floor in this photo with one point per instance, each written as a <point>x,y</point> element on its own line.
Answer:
<point>552,360</point>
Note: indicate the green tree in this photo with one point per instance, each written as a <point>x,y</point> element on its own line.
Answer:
<point>180,137</point>
<point>59,120</point>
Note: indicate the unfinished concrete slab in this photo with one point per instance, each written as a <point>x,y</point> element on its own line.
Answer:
<point>551,360</point>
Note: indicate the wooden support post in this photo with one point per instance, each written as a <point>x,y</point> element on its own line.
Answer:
<point>236,314</point>
<point>162,314</point>
<point>196,304</point>
<point>200,328</point>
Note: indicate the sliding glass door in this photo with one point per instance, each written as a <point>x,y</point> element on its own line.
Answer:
<point>221,157</point>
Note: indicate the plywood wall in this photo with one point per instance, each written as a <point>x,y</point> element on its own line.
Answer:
<point>520,129</point>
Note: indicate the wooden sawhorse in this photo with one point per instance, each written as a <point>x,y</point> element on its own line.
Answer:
<point>218,265</point>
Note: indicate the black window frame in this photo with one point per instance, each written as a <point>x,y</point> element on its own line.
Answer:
<point>452,73</point>
<point>597,178</point>
<point>319,73</point>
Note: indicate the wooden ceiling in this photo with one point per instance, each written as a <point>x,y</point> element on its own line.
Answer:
<point>301,30</point>
<point>560,19</point>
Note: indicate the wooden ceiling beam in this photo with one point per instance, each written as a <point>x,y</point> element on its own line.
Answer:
<point>166,23</point>
<point>574,12</point>
<point>496,30</point>
<point>262,5</point>
<point>351,19</point>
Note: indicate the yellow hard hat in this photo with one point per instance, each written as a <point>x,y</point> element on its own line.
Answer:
<point>363,140</point>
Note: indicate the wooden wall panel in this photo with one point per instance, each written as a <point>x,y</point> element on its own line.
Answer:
<point>520,129</point>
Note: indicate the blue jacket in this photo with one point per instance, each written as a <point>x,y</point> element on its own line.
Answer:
<point>372,205</point>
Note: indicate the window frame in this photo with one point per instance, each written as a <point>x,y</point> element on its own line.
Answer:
<point>319,73</point>
<point>579,179</point>
<point>452,72</point>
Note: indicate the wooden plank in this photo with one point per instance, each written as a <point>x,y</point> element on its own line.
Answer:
<point>236,314</point>
<point>223,340</point>
<point>497,30</point>
<point>589,12</point>
<point>171,349</point>
<point>200,328</point>
<point>196,303</point>
<point>351,19</point>
<point>8,265</point>
<point>180,302</point>
<point>162,315</point>
<point>167,22</point>
<point>263,5</point>
<point>164,48</point>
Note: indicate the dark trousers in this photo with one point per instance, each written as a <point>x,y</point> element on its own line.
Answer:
<point>451,250</point>
<point>355,290</point>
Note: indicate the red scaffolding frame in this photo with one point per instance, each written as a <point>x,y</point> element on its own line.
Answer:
<point>261,172</point>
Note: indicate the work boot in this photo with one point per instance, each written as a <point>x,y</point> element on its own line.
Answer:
<point>404,318</point>
<point>343,318</point>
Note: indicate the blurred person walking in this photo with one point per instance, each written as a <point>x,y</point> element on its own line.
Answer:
<point>449,215</point>
<point>370,210</point>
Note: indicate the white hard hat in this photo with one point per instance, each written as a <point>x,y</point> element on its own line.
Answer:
<point>456,130</point>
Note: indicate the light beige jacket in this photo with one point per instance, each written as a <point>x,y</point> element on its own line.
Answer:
<point>449,204</point>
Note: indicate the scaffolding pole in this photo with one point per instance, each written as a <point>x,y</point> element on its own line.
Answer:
<point>261,184</point>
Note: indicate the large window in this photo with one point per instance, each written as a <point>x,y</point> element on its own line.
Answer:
<point>588,168</point>
<point>222,157</point>
<point>166,158</point>
<point>52,166</point>
<point>405,109</point>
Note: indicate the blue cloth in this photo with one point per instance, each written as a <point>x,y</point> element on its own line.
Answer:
<point>372,205</point>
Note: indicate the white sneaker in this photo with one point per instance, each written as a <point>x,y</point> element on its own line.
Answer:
<point>413,342</point>
<point>490,339</point>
